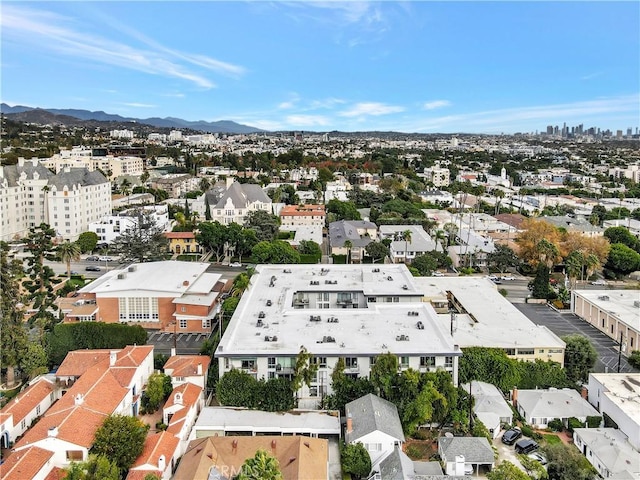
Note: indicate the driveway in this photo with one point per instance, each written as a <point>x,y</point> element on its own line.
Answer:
<point>335,470</point>
<point>506,452</point>
<point>567,323</point>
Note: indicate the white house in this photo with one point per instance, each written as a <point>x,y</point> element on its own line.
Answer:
<point>187,369</point>
<point>159,457</point>
<point>608,450</point>
<point>618,395</point>
<point>110,227</point>
<point>33,463</point>
<point>459,453</point>
<point>404,251</point>
<point>490,407</point>
<point>181,410</point>
<point>539,407</point>
<point>375,423</point>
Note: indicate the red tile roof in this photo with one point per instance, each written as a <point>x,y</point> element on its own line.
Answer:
<point>78,361</point>
<point>155,445</point>
<point>180,235</point>
<point>133,355</point>
<point>25,464</point>
<point>190,395</point>
<point>187,365</point>
<point>27,400</point>
<point>56,474</point>
<point>141,474</point>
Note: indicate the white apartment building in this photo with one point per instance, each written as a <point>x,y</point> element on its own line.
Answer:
<point>333,311</point>
<point>175,136</point>
<point>124,134</point>
<point>176,184</point>
<point>439,177</point>
<point>418,242</point>
<point>80,157</point>
<point>68,201</point>
<point>112,226</point>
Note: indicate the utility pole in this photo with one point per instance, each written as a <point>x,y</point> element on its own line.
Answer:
<point>620,352</point>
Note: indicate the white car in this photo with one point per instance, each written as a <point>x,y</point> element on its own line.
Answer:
<point>508,278</point>
<point>538,457</point>
<point>437,274</point>
<point>105,259</point>
<point>493,277</point>
<point>599,282</point>
<point>235,264</point>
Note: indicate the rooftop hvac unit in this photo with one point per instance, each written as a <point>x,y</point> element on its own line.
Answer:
<point>261,315</point>
<point>121,276</point>
<point>315,318</point>
<point>603,297</point>
<point>332,320</point>
<point>636,303</point>
<point>420,326</point>
<point>402,338</point>
<point>376,270</point>
<point>132,268</point>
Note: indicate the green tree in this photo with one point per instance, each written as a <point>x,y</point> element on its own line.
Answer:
<point>343,210</point>
<point>579,357</point>
<point>421,409</point>
<point>34,360</point>
<point>144,241</point>
<point>534,469</point>
<point>261,466</point>
<point>502,258</point>
<point>246,242</point>
<point>355,460</point>
<point>207,209</point>
<point>120,439</point>
<point>276,251</point>
<point>97,467</point>
<point>622,259</point>
<point>489,365</point>
<point>213,237</point>
<point>622,235</point>
<point>68,252</point>
<point>377,251</point>
<point>237,389</point>
<point>276,395</point>
<point>156,391</point>
<point>541,287</point>
<point>263,223</point>
<point>309,247</point>
<point>424,264</point>
<point>304,371</point>
<point>384,374</point>
<point>565,462</point>
<point>507,471</point>
<point>634,359</point>
<point>87,241</point>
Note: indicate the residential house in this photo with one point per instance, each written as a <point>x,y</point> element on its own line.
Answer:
<point>34,464</point>
<point>539,407</point>
<point>490,407</point>
<point>230,421</point>
<point>159,457</point>
<point>405,251</point>
<point>575,223</point>
<point>20,412</point>
<point>299,458</point>
<point>608,450</point>
<point>618,396</point>
<point>358,233</point>
<point>110,227</point>
<point>307,221</point>
<point>375,423</point>
<point>187,369</point>
<point>398,466</point>
<point>231,202</point>
<point>460,452</point>
<point>183,243</point>
<point>171,296</point>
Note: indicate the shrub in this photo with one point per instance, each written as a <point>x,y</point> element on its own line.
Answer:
<point>527,431</point>
<point>594,422</point>
<point>161,426</point>
<point>556,425</point>
<point>414,452</point>
<point>573,422</point>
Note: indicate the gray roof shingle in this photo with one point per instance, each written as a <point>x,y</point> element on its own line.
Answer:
<point>474,449</point>
<point>372,413</point>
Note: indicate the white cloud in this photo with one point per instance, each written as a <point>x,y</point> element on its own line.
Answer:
<point>139,105</point>
<point>307,120</point>
<point>48,31</point>
<point>173,95</point>
<point>436,104</point>
<point>371,108</point>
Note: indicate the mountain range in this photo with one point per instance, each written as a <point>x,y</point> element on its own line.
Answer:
<point>66,116</point>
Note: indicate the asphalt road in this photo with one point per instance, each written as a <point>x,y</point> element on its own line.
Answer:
<point>567,323</point>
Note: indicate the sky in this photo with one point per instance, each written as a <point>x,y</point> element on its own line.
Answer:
<point>424,67</point>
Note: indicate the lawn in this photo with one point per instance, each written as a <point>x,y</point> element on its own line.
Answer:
<point>552,439</point>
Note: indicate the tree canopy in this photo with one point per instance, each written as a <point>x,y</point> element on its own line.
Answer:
<point>120,439</point>
<point>144,241</point>
<point>579,357</point>
<point>261,466</point>
<point>355,460</point>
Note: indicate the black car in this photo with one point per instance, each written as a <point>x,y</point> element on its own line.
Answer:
<point>92,258</point>
<point>92,268</point>
<point>510,436</point>
<point>526,445</point>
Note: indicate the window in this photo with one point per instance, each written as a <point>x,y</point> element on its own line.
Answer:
<point>404,362</point>
<point>371,299</point>
<point>351,362</point>
<point>374,447</point>
<point>611,328</point>
<point>525,351</point>
<point>37,409</point>
<point>271,362</point>
<point>448,362</point>
<point>272,375</point>
<point>23,424</point>
<point>249,364</point>
<point>510,351</point>
<point>183,323</point>
<point>313,391</point>
<point>603,323</point>
<point>138,308</point>
<point>206,323</point>
<point>427,361</point>
<point>74,455</point>
<point>372,361</point>
<point>320,361</point>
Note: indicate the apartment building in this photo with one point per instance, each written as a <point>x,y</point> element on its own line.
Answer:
<point>68,201</point>
<point>339,311</point>
<point>183,243</point>
<point>616,313</point>
<point>358,234</point>
<point>236,201</point>
<point>302,215</point>
<point>439,177</point>
<point>177,184</point>
<point>110,227</point>
<point>168,295</point>
<point>418,242</point>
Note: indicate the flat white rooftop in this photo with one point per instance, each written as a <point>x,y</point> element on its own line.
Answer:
<point>171,277</point>
<point>491,321</point>
<point>623,389</point>
<point>267,312</point>
<point>618,302</point>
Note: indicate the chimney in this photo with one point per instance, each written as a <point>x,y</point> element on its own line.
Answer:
<point>273,445</point>
<point>234,444</point>
<point>584,393</point>
<point>185,283</point>
<point>459,468</point>
<point>514,397</point>
<point>199,369</point>
<point>173,351</point>
<point>113,356</point>
<point>349,423</point>
<point>79,399</point>
<point>162,463</point>
<point>229,181</point>
<point>52,432</point>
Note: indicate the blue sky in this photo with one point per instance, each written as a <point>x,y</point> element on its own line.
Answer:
<point>477,67</point>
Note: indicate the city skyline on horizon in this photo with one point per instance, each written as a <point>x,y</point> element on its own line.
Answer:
<point>421,67</point>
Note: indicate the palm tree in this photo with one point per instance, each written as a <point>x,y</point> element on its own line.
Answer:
<point>547,253</point>
<point>573,264</point>
<point>348,244</point>
<point>498,194</point>
<point>440,238</point>
<point>69,251</point>
<point>592,262</point>
<point>451,229</point>
<point>125,187</point>
<point>406,236</point>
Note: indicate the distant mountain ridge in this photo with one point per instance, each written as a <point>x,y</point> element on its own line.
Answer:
<point>222,126</point>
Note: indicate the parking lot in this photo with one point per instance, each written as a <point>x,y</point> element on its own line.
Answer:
<point>567,323</point>
<point>186,343</point>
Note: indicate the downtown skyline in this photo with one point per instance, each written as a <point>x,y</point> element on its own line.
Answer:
<point>419,67</point>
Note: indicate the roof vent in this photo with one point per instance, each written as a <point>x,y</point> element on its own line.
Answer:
<point>420,325</point>
<point>269,303</point>
<point>328,340</point>
<point>185,283</point>
<point>268,338</point>
<point>132,268</point>
<point>314,282</point>
<point>259,323</point>
<point>604,298</point>
<point>636,303</point>
<point>413,313</point>
<point>390,278</point>
<point>405,287</point>
<point>315,318</point>
<point>376,270</point>
<point>402,338</point>
<point>272,283</point>
<point>261,314</point>
<point>287,270</point>
<point>332,320</point>
<point>52,432</point>
<point>122,276</point>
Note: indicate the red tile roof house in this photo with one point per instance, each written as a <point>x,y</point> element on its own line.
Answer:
<point>111,385</point>
<point>17,415</point>
<point>34,464</point>
<point>187,369</point>
<point>181,411</point>
<point>159,457</point>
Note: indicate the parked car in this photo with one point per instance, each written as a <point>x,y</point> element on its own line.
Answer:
<point>105,259</point>
<point>235,264</point>
<point>468,469</point>
<point>600,281</point>
<point>508,277</point>
<point>93,268</point>
<point>510,436</point>
<point>493,277</point>
<point>526,445</point>
<point>538,457</point>
<point>437,274</point>
<point>92,258</point>
<point>497,281</point>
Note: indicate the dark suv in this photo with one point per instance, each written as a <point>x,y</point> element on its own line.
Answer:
<point>510,436</point>
<point>526,445</point>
